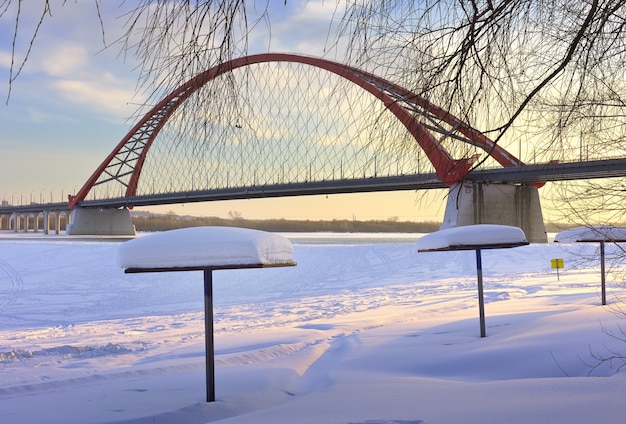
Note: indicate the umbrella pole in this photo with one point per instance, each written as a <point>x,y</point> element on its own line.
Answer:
<point>208,336</point>
<point>602,271</point>
<point>481,299</point>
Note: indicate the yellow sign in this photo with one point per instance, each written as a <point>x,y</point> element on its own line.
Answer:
<point>557,263</point>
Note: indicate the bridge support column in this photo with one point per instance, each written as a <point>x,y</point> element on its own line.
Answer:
<point>100,221</point>
<point>57,219</point>
<point>46,222</point>
<point>506,204</point>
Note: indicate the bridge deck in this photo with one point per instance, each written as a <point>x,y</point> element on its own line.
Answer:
<point>610,168</point>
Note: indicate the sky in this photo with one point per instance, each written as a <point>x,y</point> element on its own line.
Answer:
<point>74,99</point>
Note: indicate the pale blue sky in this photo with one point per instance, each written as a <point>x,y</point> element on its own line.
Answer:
<point>72,102</point>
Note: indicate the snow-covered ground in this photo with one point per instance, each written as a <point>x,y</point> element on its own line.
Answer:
<point>363,330</point>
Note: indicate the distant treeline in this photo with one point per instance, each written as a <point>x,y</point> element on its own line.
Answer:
<point>154,222</point>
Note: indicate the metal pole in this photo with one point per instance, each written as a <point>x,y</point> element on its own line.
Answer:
<point>602,272</point>
<point>208,336</point>
<point>481,299</point>
<point>557,272</point>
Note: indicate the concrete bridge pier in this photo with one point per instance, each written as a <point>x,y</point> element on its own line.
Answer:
<point>100,221</point>
<point>14,221</point>
<point>488,203</point>
<point>46,222</point>
<point>56,219</point>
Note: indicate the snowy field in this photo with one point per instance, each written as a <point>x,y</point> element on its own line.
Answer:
<point>363,330</point>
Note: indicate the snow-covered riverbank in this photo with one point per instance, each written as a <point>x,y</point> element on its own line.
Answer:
<point>358,332</point>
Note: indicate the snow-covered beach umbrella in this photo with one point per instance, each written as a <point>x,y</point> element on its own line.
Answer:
<point>474,237</point>
<point>205,249</point>
<point>598,234</point>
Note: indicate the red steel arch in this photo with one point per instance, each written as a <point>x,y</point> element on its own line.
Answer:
<point>129,155</point>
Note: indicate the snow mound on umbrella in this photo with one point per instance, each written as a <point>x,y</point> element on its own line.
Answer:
<point>595,233</point>
<point>482,236</point>
<point>205,247</point>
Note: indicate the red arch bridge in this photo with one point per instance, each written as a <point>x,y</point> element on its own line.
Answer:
<point>273,125</point>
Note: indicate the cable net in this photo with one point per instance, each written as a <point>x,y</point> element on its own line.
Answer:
<point>275,123</point>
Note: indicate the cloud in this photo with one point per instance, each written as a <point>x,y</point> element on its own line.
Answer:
<point>106,96</point>
<point>298,27</point>
<point>65,59</point>
<point>5,59</point>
